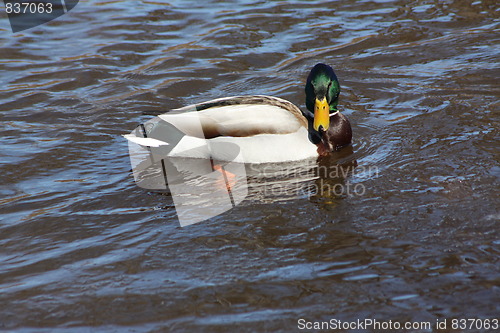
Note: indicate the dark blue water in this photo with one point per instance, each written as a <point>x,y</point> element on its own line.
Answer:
<point>83,248</point>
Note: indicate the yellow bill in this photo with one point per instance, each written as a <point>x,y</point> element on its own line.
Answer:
<point>321,114</point>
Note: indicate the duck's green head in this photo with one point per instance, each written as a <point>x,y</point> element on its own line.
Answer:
<point>322,93</point>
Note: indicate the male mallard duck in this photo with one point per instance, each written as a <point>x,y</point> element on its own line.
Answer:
<point>264,129</point>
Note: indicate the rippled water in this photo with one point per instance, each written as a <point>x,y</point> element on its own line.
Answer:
<point>81,246</point>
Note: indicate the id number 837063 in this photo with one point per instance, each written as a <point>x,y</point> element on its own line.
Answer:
<point>28,7</point>
<point>475,324</point>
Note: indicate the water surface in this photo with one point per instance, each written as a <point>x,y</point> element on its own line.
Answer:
<point>82,247</point>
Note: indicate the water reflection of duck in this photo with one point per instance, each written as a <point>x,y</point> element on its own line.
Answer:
<point>266,129</point>
<point>323,180</point>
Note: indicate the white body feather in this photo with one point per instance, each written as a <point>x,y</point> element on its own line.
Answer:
<point>261,148</point>
<point>264,133</point>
